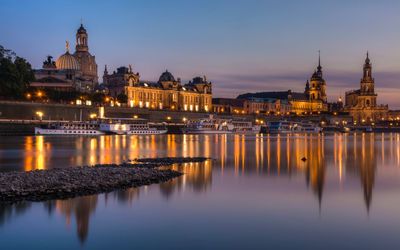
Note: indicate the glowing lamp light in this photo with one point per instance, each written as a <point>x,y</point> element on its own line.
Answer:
<point>135,116</point>
<point>40,114</point>
<point>169,118</point>
<point>93,115</point>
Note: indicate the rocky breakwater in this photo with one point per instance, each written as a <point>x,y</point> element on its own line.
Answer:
<point>40,185</point>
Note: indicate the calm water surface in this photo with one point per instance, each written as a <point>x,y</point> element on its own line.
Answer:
<point>257,193</point>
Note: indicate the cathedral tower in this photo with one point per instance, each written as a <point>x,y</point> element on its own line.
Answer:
<point>82,39</point>
<point>367,83</point>
<point>316,88</point>
<point>86,60</point>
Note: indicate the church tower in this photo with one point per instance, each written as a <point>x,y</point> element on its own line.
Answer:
<point>367,83</point>
<point>316,88</point>
<point>82,40</point>
<point>86,61</point>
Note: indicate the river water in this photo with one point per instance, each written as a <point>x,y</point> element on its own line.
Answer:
<point>256,193</point>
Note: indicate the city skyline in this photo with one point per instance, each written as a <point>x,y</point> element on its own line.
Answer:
<point>240,46</point>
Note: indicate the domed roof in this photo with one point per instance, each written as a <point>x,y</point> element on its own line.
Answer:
<point>67,61</point>
<point>166,77</point>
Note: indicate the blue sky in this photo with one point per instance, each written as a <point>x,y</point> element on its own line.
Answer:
<point>241,46</point>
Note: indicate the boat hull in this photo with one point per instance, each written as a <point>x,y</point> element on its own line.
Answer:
<point>147,132</point>
<point>47,131</point>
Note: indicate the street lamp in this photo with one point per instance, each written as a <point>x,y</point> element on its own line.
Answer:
<point>40,114</point>
<point>93,115</point>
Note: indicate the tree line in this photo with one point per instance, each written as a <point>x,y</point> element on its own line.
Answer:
<point>15,75</point>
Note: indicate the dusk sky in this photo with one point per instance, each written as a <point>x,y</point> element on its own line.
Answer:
<point>240,46</point>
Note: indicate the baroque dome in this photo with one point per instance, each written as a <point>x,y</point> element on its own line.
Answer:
<point>166,77</point>
<point>67,61</point>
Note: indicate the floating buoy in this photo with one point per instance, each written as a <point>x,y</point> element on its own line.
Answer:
<point>304,159</point>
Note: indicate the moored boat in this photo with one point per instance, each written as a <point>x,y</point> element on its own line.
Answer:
<point>285,127</point>
<point>130,126</point>
<point>69,128</point>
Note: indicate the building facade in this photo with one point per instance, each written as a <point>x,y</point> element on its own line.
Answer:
<point>169,93</point>
<point>87,61</point>
<point>69,72</point>
<point>118,80</point>
<point>313,99</point>
<point>362,103</point>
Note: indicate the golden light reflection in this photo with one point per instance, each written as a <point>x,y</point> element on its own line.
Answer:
<point>36,153</point>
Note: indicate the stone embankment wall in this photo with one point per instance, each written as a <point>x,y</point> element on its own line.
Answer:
<point>27,111</point>
<point>20,118</point>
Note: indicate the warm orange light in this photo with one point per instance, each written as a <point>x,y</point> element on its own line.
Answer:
<point>40,114</point>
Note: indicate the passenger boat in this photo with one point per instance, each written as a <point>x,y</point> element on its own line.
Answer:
<point>208,126</point>
<point>69,128</point>
<point>130,126</point>
<point>213,125</point>
<point>120,126</point>
<point>245,127</point>
<point>284,127</point>
<point>280,127</point>
<point>304,127</point>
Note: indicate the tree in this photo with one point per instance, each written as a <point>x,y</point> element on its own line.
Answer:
<point>122,98</point>
<point>15,74</point>
<point>98,97</point>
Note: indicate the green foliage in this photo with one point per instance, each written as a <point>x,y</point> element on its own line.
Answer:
<point>66,96</point>
<point>122,98</point>
<point>15,74</point>
<point>98,98</point>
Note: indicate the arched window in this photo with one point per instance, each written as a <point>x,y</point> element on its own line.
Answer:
<point>367,103</point>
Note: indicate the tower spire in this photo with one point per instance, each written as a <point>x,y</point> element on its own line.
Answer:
<point>319,61</point>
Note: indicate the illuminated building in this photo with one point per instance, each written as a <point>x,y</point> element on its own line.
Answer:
<point>362,103</point>
<point>76,71</point>
<point>169,93</point>
<point>313,99</point>
<point>118,80</point>
<point>250,106</point>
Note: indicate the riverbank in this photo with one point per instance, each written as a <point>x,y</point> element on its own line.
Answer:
<point>63,183</point>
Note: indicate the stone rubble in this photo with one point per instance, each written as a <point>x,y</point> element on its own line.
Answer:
<point>63,183</point>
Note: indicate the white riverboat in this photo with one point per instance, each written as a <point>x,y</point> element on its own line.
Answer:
<point>245,127</point>
<point>208,126</point>
<point>285,127</point>
<point>213,125</point>
<point>69,128</point>
<point>280,127</point>
<point>130,126</point>
<point>119,126</point>
<point>304,127</point>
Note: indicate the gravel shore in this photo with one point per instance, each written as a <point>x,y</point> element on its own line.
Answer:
<point>40,185</point>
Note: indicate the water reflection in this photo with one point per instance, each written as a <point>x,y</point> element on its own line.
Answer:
<point>316,159</point>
